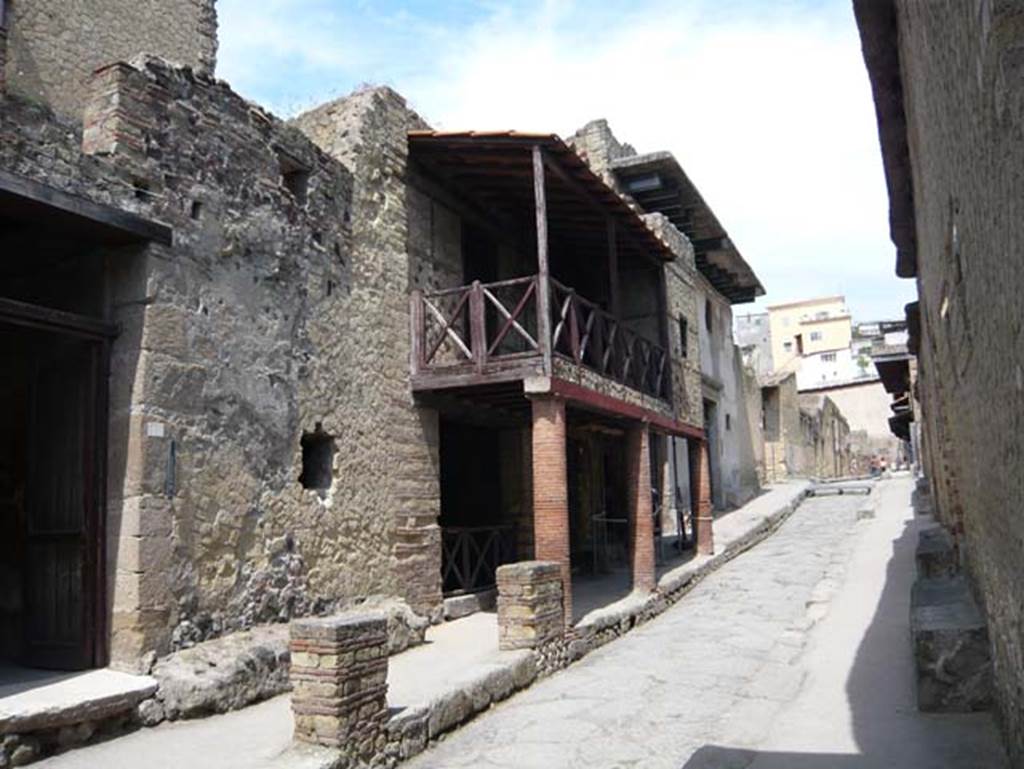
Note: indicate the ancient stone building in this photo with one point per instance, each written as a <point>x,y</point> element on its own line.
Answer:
<point>948,81</point>
<point>701,291</point>
<point>312,365</point>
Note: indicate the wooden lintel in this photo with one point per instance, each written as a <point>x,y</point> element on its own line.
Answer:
<point>586,398</point>
<point>48,319</point>
<point>128,225</point>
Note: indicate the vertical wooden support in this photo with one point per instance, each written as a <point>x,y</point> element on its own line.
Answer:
<point>477,326</point>
<point>574,328</point>
<point>418,331</point>
<point>551,492</point>
<point>641,521</point>
<point>543,271</point>
<point>613,269</point>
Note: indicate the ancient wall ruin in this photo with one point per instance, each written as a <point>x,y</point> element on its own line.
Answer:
<point>265,458</point>
<point>963,92</point>
<point>53,46</point>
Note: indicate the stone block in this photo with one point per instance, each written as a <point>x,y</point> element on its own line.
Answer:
<point>951,648</point>
<point>936,554</point>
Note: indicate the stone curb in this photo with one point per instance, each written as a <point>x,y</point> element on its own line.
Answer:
<point>410,731</point>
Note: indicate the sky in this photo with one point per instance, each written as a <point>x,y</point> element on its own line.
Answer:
<point>765,103</point>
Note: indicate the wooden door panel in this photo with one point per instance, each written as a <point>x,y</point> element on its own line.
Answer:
<point>62,505</point>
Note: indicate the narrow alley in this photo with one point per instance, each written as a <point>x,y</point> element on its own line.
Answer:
<point>795,654</point>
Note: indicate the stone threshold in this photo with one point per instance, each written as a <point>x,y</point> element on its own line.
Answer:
<point>411,730</point>
<point>42,711</point>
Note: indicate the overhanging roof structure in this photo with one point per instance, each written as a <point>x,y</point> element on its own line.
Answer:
<point>495,169</point>
<point>658,183</point>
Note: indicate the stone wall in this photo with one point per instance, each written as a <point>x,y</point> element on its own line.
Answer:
<point>261,328</point>
<point>963,93</point>
<point>397,455</point>
<point>54,46</point>
<point>529,604</point>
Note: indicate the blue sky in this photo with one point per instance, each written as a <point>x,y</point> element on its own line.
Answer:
<point>766,104</point>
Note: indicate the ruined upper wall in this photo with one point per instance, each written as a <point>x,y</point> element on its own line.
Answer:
<point>54,46</point>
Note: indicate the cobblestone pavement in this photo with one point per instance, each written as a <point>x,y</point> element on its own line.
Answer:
<point>704,684</point>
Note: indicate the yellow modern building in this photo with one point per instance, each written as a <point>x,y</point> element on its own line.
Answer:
<point>809,327</point>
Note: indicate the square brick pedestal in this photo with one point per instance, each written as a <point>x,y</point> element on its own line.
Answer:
<point>339,672</point>
<point>529,604</point>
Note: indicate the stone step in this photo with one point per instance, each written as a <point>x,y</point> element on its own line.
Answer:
<point>951,647</point>
<point>936,554</point>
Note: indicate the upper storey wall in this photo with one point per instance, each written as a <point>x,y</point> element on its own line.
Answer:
<point>54,46</point>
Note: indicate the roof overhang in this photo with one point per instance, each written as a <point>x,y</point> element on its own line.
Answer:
<point>495,171</point>
<point>879,37</point>
<point>658,183</point>
<point>894,371</point>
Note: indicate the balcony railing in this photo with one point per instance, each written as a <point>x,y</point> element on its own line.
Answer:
<point>488,327</point>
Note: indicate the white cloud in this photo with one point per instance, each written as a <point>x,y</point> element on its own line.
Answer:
<point>767,107</point>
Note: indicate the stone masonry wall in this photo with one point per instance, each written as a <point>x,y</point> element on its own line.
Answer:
<point>397,453</point>
<point>963,77</point>
<point>54,46</point>
<point>248,333</point>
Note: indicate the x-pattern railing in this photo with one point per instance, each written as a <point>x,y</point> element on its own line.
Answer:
<point>476,324</point>
<point>471,556</point>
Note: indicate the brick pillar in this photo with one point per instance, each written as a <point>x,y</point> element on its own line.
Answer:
<point>529,604</point>
<point>641,524</point>
<point>551,492</point>
<point>339,670</point>
<point>700,478</point>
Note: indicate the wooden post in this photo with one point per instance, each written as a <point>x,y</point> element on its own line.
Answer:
<point>477,326</point>
<point>574,330</point>
<point>543,271</point>
<point>418,330</point>
<point>613,269</point>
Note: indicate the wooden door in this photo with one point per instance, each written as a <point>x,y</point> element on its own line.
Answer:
<point>63,502</point>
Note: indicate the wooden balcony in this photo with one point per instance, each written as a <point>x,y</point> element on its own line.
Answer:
<point>487,333</point>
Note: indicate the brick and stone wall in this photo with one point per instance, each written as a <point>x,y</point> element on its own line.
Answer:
<point>963,93</point>
<point>53,46</point>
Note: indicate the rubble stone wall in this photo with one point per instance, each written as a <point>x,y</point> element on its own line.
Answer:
<point>397,455</point>
<point>963,79</point>
<point>54,46</point>
<point>261,323</point>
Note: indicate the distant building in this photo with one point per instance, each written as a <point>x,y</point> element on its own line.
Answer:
<point>753,337</point>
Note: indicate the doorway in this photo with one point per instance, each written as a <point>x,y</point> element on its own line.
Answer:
<point>52,491</point>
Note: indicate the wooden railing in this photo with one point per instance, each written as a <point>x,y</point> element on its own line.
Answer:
<point>472,327</point>
<point>470,556</point>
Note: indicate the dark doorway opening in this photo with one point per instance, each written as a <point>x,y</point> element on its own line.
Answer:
<point>52,491</point>
<point>478,528</point>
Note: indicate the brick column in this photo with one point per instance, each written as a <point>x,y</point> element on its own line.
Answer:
<point>529,604</point>
<point>641,524</point>
<point>339,669</point>
<point>551,492</point>
<point>700,479</point>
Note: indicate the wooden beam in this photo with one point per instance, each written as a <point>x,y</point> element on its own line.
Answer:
<point>543,283</point>
<point>58,321</point>
<point>586,398</point>
<point>573,184</point>
<point>613,267</point>
<point>128,225</point>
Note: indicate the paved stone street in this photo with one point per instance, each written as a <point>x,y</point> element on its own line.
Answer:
<point>794,654</point>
